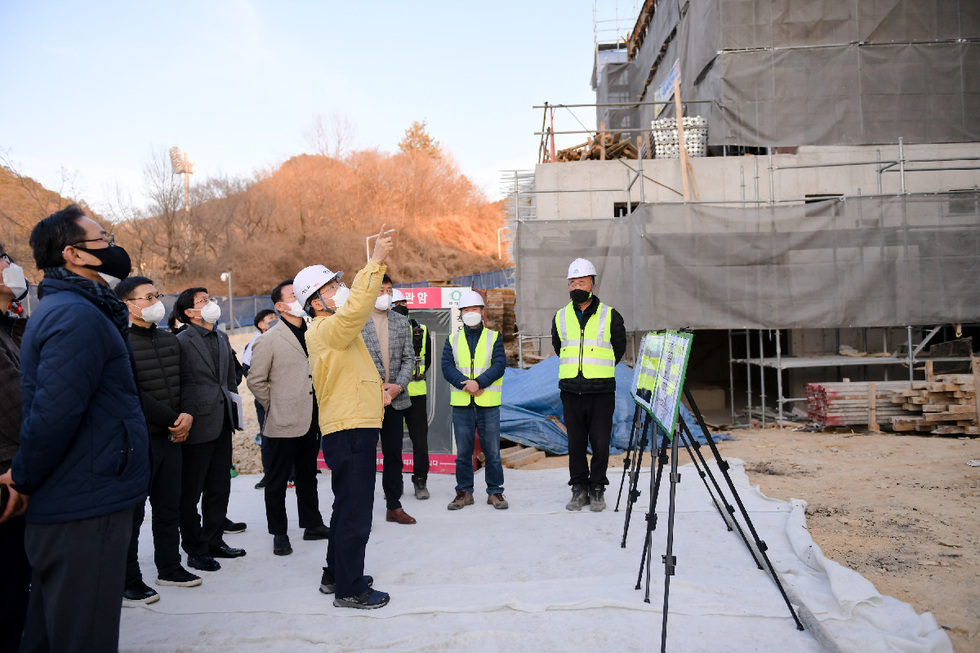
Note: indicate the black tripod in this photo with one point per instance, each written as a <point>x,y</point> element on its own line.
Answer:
<point>757,547</point>
<point>634,472</point>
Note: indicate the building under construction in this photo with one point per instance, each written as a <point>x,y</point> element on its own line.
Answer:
<point>826,203</point>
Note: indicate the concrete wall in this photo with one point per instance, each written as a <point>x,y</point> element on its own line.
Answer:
<point>590,189</point>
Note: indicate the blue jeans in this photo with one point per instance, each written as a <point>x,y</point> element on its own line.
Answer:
<point>467,422</point>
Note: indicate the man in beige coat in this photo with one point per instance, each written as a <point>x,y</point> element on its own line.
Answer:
<point>280,379</point>
<point>351,402</point>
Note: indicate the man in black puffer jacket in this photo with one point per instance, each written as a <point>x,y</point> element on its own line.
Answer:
<point>157,355</point>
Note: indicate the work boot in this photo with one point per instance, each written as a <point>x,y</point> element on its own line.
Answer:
<point>462,499</point>
<point>597,499</point>
<point>580,497</point>
<point>421,493</point>
<point>498,501</point>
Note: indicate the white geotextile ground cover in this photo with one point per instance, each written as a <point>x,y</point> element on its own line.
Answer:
<point>531,578</point>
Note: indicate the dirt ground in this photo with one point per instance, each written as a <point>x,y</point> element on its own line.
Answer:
<point>900,510</point>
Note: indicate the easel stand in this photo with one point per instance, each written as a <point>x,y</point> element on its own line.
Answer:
<point>757,547</point>
<point>634,431</point>
<point>634,474</point>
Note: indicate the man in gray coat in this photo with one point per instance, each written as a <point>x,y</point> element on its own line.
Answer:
<point>280,379</point>
<point>388,337</point>
<point>208,391</point>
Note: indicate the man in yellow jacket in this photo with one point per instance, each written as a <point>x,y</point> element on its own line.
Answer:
<point>351,402</point>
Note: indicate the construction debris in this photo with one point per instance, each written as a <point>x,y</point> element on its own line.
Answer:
<point>603,146</point>
<point>519,456</point>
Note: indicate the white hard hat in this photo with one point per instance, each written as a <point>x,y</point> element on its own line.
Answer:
<point>581,267</point>
<point>398,296</point>
<point>312,278</point>
<point>471,298</point>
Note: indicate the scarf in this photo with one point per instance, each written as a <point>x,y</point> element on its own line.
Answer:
<point>100,295</point>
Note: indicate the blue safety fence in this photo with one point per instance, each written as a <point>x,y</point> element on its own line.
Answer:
<point>532,410</point>
<point>484,280</point>
<point>243,308</point>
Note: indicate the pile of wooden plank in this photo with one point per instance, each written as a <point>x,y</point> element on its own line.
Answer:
<point>945,405</point>
<point>848,403</point>
<point>500,312</point>
<point>603,146</point>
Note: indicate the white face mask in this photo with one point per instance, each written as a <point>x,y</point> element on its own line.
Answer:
<point>340,297</point>
<point>472,318</point>
<point>109,279</point>
<point>13,278</point>
<point>154,313</point>
<point>383,303</point>
<point>211,313</point>
<point>295,309</point>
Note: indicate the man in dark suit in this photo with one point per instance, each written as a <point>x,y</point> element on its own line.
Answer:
<point>208,392</point>
<point>388,337</point>
<point>281,381</point>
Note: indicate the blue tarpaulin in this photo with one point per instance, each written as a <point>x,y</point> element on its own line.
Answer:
<point>532,410</point>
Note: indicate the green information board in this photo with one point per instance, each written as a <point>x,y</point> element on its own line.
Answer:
<point>658,378</point>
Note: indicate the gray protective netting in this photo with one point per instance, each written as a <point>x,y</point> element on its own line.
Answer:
<point>812,72</point>
<point>859,261</point>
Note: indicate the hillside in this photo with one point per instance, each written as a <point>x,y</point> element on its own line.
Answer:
<point>311,209</point>
<point>317,209</point>
<point>23,202</point>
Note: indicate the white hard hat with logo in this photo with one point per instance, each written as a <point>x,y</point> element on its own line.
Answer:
<point>581,267</point>
<point>398,296</point>
<point>471,298</point>
<point>312,278</point>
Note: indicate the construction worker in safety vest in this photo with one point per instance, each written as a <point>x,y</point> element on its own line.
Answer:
<point>473,362</point>
<point>589,338</point>
<point>416,415</point>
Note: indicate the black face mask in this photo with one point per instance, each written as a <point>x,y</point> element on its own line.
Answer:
<point>114,261</point>
<point>400,309</point>
<point>579,296</point>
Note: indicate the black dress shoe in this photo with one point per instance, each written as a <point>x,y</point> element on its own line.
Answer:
<point>203,562</point>
<point>234,526</point>
<point>316,533</point>
<point>281,545</point>
<point>225,551</point>
<point>140,592</point>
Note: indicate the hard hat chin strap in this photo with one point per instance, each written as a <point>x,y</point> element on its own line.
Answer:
<point>317,295</point>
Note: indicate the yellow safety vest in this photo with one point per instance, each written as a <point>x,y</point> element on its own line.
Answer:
<point>417,388</point>
<point>587,350</point>
<point>473,366</point>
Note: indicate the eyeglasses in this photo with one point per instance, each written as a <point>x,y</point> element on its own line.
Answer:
<point>203,300</point>
<point>109,239</point>
<point>6,257</point>
<point>151,297</point>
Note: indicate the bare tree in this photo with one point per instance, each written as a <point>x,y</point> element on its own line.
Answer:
<point>174,241</point>
<point>331,137</point>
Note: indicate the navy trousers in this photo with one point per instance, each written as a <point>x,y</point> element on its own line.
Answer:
<point>351,457</point>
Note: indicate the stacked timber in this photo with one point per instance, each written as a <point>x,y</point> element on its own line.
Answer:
<point>945,405</point>
<point>848,403</point>
<point>603,146</point>
<point>500,312</point>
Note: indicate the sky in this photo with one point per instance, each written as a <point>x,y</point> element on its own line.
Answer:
<point>91,90</point>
